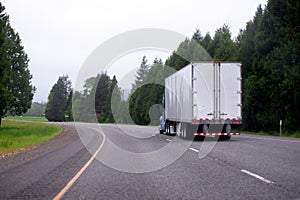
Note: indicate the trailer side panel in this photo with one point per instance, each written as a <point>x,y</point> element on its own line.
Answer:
<point>178,95</point>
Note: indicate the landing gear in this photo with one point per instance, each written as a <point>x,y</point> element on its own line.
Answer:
<point>185,130</point>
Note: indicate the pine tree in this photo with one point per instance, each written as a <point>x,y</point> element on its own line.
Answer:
<point>222,47</point>
<point>69,111</point>
<point>19,78</point>
<point>58,99</point>
<point>16,90</point>
<point>206,41</point>
<point>4,63</point>
<point>198,36</point>
<point>142,72</point>
<point>101,93</point>
<point>148,95</point>
<point>108,102</point>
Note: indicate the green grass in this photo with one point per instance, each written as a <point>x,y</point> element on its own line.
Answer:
<point>284,134</point>
<point>28,118</point>
<point>17,135</point>
<point>290,134</point>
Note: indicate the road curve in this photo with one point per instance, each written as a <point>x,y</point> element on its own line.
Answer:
<point>246,167</point>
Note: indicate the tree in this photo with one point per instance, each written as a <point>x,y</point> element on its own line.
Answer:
<point>58,99</point>
<point>101,95</point>
<point>197,36</point>
<point>4,63</point>
<point>222,47</point>
<point>142,72</point>
<point>89,85</point>
<point>143,98</point>
<point>108,102</point>
<point>102,92</point>
<point>206,41</point>
<point>19,78</point>
<point>190,50</point>
<point>16,90</point>
<point>69,112</point>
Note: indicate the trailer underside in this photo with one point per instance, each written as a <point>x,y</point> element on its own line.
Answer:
<point>191,130</point>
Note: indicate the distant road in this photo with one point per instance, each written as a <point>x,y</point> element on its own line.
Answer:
<point>246,167</point>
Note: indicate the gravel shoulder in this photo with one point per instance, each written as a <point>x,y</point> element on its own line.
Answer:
<point>68,134</point>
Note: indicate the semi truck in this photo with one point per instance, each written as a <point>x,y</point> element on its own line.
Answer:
<point>201,99</point>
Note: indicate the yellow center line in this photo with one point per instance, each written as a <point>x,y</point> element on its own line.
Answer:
<point>74,179</point>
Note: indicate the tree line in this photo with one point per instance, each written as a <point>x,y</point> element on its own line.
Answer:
<point>93,104</point>
<point>269,49</point>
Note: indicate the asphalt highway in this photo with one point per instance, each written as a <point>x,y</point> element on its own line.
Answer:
<point>127,162</point>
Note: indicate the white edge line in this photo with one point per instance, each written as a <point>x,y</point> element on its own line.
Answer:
<point>194,149</point>
<point>169,140</point>
<point>257,176</point>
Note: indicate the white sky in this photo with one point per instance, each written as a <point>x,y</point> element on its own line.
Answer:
<point>58,35</point>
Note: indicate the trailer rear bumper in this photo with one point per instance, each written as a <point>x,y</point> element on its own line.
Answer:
<point>221,121</point>
<point>214,134</point>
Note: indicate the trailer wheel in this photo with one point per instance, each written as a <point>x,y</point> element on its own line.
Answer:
<point>228,131</point>
<point>205,128</point>
<point>183,130</point>
<point>167,127</point>
<point>228,128</point>
<point>179,129</point>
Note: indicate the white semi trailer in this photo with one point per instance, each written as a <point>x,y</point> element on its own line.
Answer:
<point>203,98</point>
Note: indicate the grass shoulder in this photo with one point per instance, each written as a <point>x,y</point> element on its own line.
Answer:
<point>27,118</point>
<point>19,135</point>
<point>284,134</point>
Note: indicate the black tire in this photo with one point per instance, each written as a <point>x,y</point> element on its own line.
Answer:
<point>168,128</point>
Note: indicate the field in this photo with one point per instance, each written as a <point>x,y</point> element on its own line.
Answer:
<point>27,118</point>
<point>18,135</point>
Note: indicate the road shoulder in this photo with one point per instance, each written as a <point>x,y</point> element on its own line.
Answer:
<point>11,160</point>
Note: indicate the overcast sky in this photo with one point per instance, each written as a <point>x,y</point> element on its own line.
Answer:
<point>58,35</point>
